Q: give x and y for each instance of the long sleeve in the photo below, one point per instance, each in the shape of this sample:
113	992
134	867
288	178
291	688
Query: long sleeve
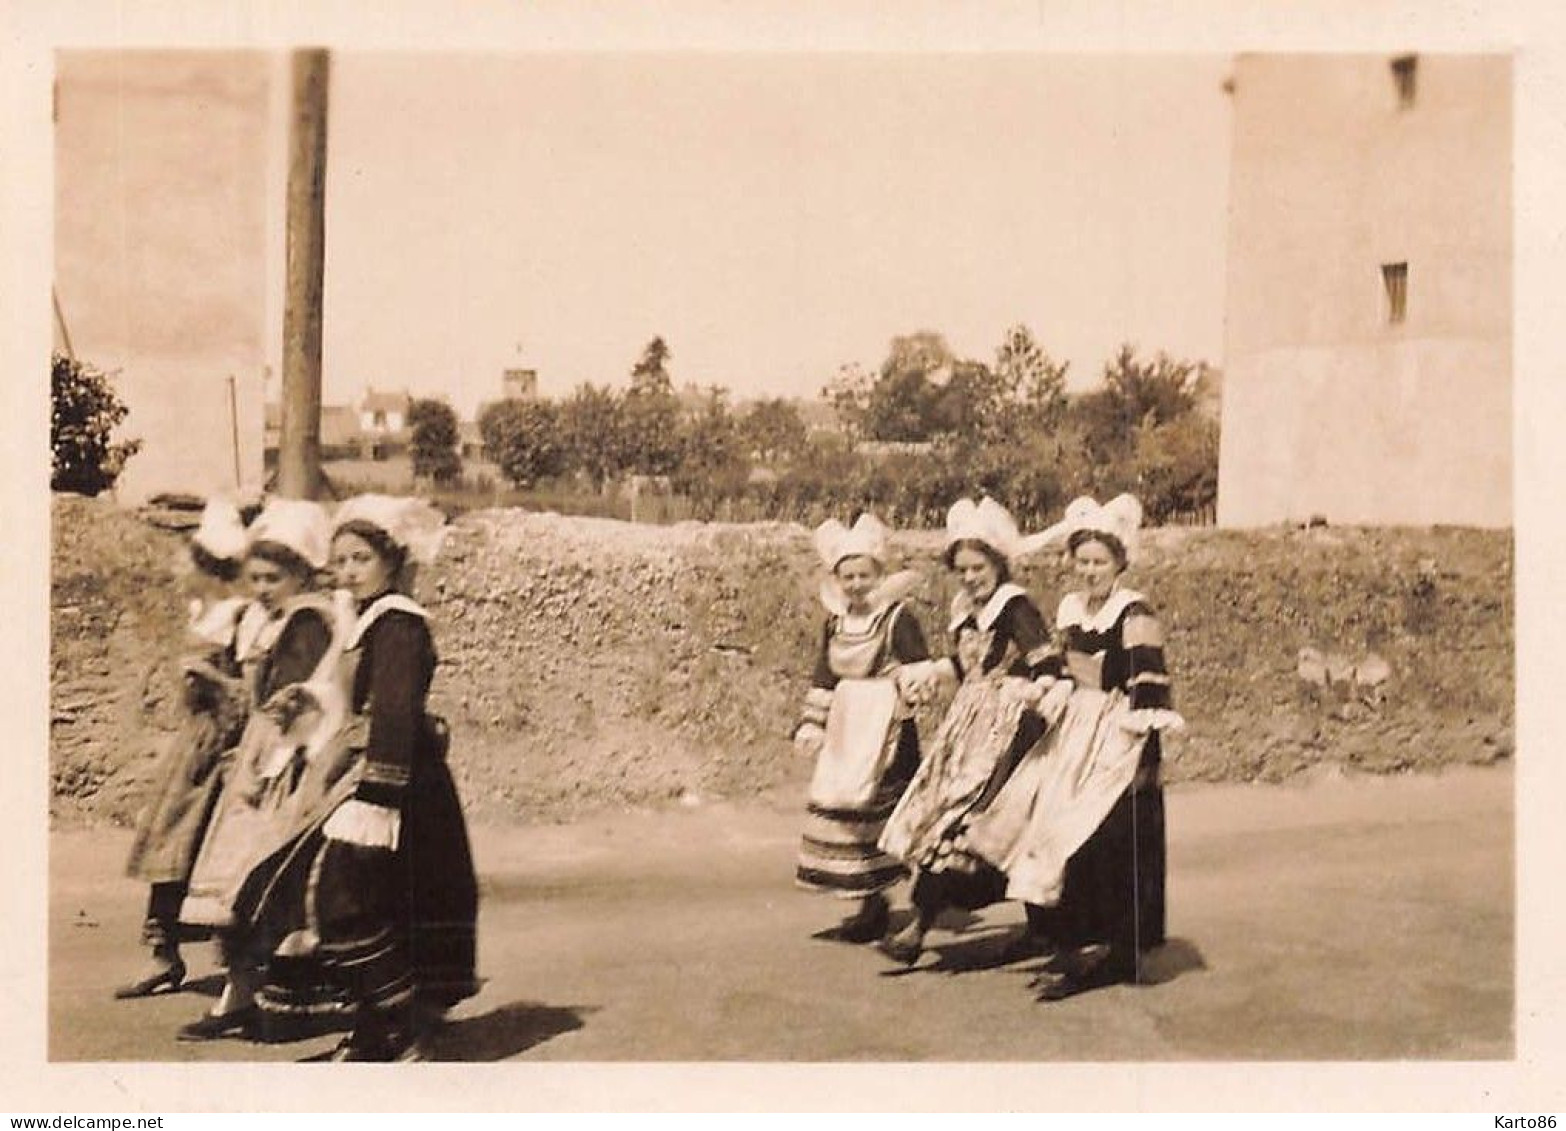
399	667
823	681
298	651
1025	625
1049	660
907	643
1147	683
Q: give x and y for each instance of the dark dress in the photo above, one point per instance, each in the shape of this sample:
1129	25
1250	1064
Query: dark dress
390	925
1114	884
1080	825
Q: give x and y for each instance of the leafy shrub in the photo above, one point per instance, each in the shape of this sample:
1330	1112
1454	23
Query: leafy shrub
85	411
433	440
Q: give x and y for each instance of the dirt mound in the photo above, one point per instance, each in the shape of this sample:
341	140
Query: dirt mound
587	662
116	620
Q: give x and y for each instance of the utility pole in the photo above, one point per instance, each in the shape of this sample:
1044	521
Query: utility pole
233	427
299	442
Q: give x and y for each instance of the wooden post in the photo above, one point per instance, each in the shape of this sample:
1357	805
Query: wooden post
233	427
59	318
299	441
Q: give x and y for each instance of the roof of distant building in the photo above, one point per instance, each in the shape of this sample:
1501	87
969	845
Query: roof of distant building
385	402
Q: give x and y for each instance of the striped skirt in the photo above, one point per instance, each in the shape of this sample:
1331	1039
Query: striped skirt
838	852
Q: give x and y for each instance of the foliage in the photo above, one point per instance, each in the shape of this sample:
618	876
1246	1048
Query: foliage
591	432
433	440
712	465
523	438
650	415
1177	467
1006	428
1161	390
773	431
1032	383
84	412
908	401
848	395
650	374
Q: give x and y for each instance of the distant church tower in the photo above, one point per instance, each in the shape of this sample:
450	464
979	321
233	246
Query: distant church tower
519	384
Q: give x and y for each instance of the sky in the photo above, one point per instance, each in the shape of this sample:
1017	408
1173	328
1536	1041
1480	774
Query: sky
773	217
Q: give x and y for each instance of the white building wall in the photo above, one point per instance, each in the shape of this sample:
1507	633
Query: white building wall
1329	409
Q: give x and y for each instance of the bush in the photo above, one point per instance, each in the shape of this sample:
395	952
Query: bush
1177	468
523	439
84	414
433	440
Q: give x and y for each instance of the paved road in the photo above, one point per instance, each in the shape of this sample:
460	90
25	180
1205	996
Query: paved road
1360	919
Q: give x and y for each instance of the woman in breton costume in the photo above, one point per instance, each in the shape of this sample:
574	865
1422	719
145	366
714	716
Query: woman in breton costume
1000	642
289	638
380	878
1080	825
856	724
190	773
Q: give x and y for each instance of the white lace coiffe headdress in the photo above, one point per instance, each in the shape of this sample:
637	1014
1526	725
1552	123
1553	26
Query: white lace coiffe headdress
984	521
413	525
221	533
1120	519
865	539
298	524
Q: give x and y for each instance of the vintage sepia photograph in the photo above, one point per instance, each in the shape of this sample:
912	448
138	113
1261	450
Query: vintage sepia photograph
800	556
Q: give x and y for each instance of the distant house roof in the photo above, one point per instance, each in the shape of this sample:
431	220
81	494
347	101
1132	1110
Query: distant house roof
339	424
385	402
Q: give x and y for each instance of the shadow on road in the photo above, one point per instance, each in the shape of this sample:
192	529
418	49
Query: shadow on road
506	1032
210	986
1168	962
992	950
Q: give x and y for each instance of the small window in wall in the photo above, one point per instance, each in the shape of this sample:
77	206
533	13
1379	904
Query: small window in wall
1405	69
1395	278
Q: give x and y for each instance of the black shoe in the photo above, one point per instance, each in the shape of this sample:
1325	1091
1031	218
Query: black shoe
360	1052
1080	978
168	978
905	947
243	1022
385	1048
343	1050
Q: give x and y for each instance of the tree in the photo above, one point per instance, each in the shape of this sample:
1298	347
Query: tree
972	405
1032	382
523	438
773	431
650	415
433	439
591	433
84	412
712	461
1160	390
903	401
848	395
650	374
1177	467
